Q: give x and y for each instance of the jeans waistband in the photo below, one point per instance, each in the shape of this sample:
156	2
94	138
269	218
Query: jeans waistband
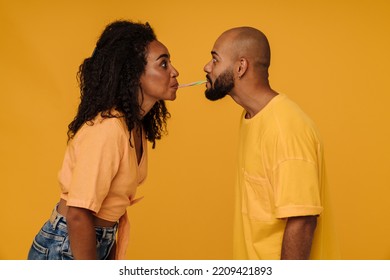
57	220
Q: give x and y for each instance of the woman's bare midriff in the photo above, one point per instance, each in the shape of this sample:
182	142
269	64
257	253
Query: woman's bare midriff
63	210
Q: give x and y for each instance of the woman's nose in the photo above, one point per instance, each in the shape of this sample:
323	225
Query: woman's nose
174	72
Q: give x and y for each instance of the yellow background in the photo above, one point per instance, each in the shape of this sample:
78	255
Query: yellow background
331	57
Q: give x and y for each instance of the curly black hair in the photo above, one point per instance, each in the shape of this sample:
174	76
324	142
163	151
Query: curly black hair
110	79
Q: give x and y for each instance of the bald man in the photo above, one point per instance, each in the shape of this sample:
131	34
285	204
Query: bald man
280	165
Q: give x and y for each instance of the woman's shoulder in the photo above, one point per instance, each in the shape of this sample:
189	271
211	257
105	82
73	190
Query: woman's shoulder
100	135
103	126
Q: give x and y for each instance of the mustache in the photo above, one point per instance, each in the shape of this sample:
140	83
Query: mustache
208	79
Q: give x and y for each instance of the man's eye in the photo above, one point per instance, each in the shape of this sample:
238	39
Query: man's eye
214	60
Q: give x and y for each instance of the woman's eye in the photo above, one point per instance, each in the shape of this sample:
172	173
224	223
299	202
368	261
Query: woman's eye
164	64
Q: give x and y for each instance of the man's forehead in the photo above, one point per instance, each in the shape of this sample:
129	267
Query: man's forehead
222	46
224	38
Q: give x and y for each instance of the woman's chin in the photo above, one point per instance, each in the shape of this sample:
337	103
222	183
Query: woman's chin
172	97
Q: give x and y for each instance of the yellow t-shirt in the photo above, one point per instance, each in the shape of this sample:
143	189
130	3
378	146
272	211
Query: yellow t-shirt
280	175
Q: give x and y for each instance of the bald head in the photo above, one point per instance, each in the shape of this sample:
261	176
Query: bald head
249	43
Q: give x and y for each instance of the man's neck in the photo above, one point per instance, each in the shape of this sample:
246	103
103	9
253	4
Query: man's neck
254	101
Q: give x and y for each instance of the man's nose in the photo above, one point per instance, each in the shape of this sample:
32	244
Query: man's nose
207	67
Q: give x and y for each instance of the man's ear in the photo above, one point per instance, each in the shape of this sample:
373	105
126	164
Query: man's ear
242	67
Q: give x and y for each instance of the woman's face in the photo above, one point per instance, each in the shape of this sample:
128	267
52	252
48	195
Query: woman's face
158	82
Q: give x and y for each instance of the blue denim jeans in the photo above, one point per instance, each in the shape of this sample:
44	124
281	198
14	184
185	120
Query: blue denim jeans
52	241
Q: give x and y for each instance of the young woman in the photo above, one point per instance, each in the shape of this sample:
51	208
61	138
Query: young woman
123	86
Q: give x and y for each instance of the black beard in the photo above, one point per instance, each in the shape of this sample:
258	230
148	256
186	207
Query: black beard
222	86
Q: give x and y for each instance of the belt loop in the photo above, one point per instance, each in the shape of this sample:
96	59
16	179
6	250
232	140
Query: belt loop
55	217
56	220
104	232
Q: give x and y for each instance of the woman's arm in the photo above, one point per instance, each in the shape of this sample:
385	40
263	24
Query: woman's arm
82	235
298	237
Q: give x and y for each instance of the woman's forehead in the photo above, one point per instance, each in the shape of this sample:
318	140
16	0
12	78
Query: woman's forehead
157	49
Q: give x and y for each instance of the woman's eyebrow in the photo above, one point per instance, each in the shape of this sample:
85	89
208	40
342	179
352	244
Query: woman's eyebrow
165	55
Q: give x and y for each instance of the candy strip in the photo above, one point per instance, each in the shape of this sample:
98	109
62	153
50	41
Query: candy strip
192	84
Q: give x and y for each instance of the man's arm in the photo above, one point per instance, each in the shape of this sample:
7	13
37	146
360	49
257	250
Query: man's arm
298	237
82	235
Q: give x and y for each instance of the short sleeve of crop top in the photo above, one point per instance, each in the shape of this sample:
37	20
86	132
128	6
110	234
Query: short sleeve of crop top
95	152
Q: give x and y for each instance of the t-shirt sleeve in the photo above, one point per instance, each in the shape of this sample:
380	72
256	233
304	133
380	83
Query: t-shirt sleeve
298	189
98	150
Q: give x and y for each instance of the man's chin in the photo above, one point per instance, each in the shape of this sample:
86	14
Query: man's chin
214	96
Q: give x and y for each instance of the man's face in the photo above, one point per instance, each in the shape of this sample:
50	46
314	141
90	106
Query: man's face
220	77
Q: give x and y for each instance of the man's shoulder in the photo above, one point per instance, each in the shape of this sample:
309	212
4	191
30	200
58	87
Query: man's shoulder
288	113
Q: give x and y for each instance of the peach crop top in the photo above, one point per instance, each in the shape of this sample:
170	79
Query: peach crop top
100	171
